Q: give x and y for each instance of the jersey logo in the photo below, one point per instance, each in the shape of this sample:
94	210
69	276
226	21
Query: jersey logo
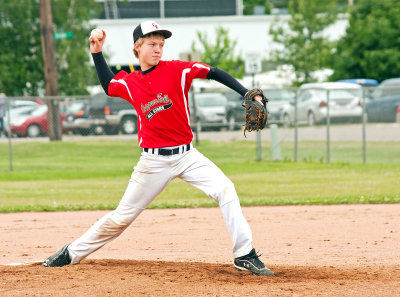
149	110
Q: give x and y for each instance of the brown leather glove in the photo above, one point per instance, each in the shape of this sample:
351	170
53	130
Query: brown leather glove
256	113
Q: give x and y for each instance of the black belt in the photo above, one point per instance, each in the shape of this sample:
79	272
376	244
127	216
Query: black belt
168	152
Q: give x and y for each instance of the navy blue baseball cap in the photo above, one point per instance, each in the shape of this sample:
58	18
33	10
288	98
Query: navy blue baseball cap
148	27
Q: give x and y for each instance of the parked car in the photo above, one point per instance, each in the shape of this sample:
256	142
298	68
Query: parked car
369	85
34	124
104	114
76	110
365	82
22	101
385	105
345	103
235	115
18	112
279	102
210	109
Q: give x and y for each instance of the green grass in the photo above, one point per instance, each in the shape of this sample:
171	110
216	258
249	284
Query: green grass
93	174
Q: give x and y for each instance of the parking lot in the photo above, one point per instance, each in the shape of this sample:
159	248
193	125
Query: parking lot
351	132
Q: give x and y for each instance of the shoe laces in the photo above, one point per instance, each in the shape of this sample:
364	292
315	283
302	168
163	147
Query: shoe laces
254	255
254	258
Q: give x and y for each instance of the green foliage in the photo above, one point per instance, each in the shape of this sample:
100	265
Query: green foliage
371	45
303	44
221	53
74	70
21	52
248	6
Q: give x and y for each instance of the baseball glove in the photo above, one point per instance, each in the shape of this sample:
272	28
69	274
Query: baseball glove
256	114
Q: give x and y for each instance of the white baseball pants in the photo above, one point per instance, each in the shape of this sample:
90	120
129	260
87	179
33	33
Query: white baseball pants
150	176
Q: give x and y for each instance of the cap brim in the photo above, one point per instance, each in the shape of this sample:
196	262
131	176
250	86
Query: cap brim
165	33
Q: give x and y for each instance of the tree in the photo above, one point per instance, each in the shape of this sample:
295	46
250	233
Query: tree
303	44
248	6
371	45
74	69
21	55
221	54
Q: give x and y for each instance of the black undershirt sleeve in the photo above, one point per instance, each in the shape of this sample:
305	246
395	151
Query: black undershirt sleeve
103	71
226	79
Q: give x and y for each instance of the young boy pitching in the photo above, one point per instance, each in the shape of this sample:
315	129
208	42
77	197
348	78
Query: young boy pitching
159	93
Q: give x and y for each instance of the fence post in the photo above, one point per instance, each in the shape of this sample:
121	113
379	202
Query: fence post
10	155
328	122
364	130
276	149
296	127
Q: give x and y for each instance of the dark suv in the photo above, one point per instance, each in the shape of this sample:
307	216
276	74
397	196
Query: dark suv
107	115
385	104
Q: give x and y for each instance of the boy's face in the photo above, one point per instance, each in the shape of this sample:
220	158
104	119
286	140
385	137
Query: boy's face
150	52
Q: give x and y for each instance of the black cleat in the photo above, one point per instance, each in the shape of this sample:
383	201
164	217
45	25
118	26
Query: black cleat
59	259
252	263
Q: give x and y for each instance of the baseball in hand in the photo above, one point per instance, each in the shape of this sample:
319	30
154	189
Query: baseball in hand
97	33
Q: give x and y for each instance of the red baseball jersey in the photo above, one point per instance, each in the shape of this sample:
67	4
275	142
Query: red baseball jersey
160	98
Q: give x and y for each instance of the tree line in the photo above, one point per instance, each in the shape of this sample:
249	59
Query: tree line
369	49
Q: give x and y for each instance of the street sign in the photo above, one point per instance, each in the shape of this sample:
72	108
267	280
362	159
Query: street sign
63	35
253	62
189	56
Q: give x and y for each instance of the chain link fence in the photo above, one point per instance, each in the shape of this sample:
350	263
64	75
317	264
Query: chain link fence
320	105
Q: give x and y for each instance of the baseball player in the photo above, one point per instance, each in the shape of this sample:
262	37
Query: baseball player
159	93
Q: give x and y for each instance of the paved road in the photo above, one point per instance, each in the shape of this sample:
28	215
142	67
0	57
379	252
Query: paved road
374	132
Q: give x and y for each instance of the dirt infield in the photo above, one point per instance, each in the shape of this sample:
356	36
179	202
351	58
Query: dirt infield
346	250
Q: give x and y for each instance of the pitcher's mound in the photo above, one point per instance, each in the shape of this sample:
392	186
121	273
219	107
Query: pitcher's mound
159	278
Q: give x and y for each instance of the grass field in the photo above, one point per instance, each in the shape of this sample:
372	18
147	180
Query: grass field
93	174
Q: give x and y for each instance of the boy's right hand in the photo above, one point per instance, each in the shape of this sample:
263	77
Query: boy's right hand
96	45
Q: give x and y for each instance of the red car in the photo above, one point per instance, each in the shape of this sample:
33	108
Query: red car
34	125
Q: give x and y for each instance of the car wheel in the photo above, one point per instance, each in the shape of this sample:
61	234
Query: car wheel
98	130
310	119
232	123
33	131
128	125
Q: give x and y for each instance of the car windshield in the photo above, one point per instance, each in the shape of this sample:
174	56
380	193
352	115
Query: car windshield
340	94
211	100
26	110
39	111
386	90
75	107
279	95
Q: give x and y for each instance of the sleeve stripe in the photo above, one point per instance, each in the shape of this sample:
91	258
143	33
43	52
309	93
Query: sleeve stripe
183	83
121	81
201	66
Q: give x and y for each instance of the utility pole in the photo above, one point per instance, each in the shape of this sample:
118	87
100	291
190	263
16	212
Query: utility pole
111	9
50	68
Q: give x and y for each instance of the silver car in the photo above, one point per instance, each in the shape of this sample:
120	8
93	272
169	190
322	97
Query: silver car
210	109
279	100
345	103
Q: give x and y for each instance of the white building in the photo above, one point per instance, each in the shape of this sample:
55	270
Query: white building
250	32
